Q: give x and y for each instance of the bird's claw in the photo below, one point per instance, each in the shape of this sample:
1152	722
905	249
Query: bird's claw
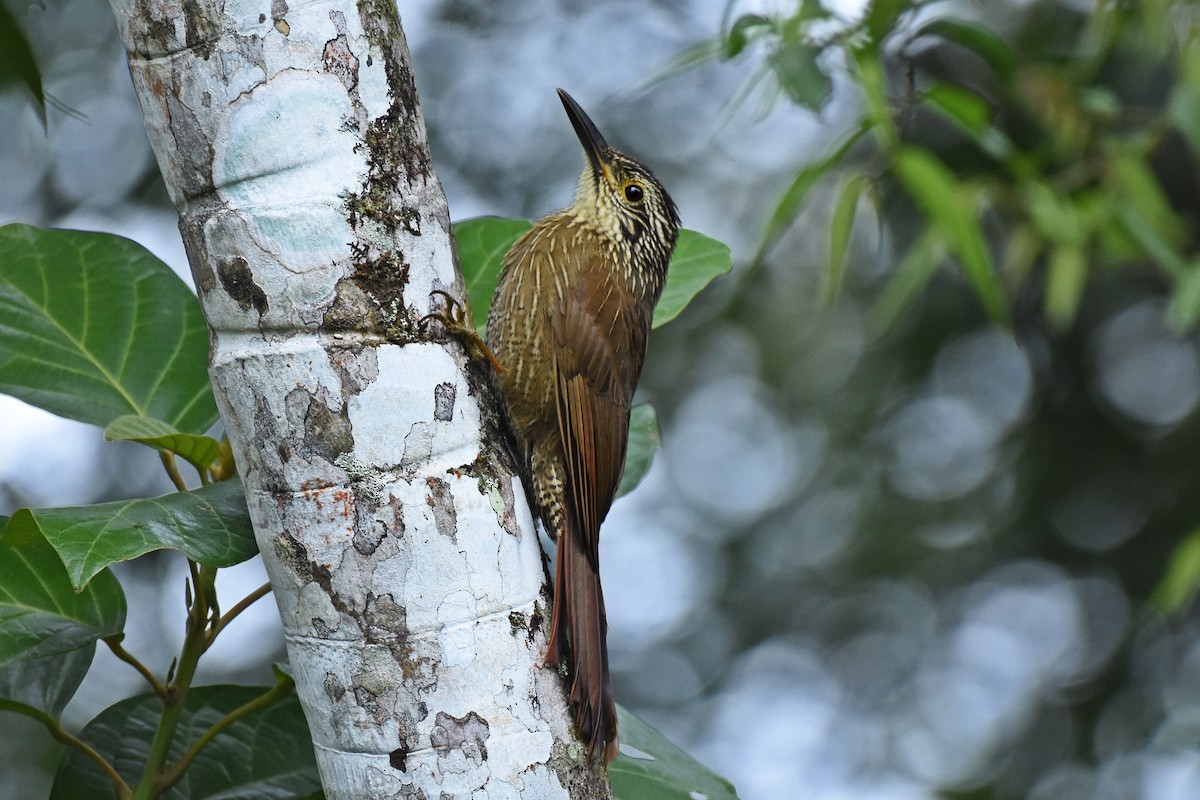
456	319
453	318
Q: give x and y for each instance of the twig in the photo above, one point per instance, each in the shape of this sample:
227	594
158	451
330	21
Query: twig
114	644
238	608
168	460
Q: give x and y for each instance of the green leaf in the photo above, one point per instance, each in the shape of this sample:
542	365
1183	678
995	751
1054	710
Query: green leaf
800	76
794	196
643	444
1178	586
17	64
1065	278
968	109
1134	182
42	687
1183	109
881	17
92	327
974	115
840	226
481	243
869	71
660	770
47	630
949	208
984	43
918	266
42	614
1151	240
1021	251
266	754
696	261
199	451
1184	310
740	33
210	525
1056	217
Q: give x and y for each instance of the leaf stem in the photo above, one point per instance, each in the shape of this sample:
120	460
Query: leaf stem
168	460
56	730
175	696
114	644
283	687
238	608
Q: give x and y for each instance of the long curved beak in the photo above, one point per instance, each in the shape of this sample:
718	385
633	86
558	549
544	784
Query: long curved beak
589	136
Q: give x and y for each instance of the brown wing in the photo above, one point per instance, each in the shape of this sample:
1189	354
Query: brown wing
600	337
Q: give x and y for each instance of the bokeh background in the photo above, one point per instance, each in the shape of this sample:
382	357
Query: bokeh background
895	562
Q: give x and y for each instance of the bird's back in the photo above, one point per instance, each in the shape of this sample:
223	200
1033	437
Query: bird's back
564	294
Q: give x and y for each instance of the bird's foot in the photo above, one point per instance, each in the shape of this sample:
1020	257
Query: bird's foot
456	319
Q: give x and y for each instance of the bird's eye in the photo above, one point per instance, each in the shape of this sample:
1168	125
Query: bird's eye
633	193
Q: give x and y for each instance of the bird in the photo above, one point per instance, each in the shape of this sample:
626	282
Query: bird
566	334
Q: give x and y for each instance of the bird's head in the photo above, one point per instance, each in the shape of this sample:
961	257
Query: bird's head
619	196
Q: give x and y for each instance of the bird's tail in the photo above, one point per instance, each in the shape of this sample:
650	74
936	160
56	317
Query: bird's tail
579	616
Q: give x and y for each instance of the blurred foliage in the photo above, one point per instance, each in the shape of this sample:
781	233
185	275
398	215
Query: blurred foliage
1029	170
1000	184
1033	171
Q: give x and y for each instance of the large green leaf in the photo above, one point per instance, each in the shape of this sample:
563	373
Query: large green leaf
660	771
47	630
482	242
199	451
92	326
266	754
643	444
210	525
43	686
696	261
41	614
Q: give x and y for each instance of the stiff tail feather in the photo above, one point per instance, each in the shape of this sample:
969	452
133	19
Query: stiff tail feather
578	616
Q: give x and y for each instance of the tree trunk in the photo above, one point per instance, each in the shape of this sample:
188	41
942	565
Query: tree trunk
404	561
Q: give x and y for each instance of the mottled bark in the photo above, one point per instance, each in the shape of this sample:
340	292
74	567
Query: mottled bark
402	554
